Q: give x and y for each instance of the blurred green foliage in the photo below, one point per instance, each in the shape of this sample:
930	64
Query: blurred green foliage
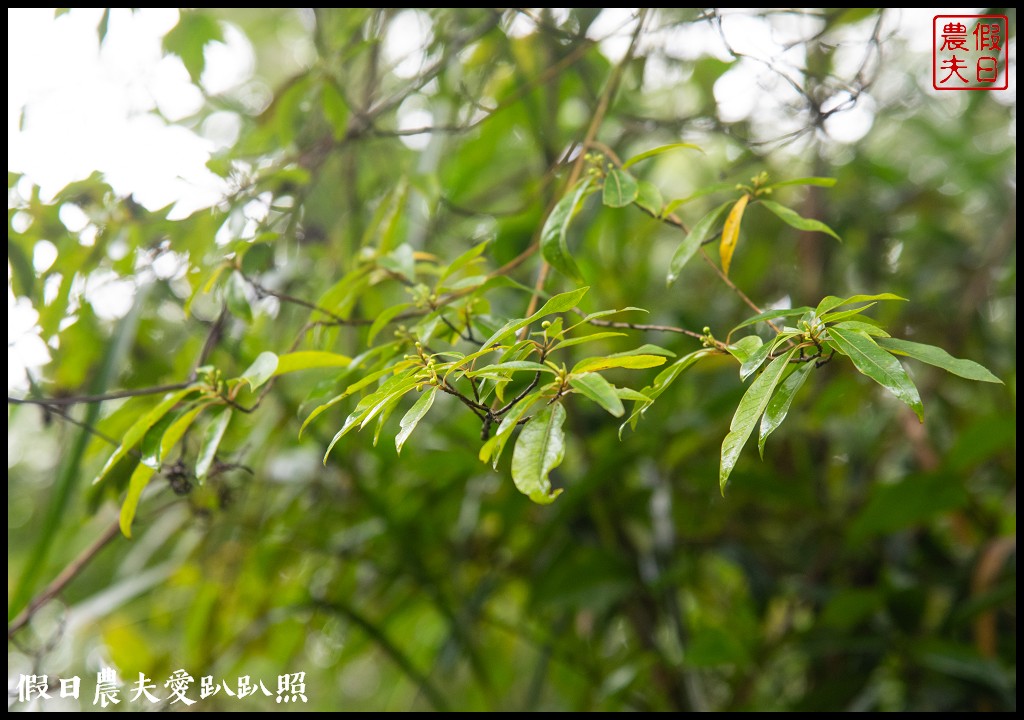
868	563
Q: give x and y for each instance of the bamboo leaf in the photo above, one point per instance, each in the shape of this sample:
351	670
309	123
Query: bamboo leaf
595	387
731	232
793	218
938	357
748	412
553	245
620	189
694	239
877	364
539	450
412	418
778	406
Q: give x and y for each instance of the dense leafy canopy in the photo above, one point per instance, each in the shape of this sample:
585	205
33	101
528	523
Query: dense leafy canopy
494	253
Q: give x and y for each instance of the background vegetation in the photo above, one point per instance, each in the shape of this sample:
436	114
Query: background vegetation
869	562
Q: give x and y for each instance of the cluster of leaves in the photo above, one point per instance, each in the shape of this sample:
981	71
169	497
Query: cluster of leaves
350	281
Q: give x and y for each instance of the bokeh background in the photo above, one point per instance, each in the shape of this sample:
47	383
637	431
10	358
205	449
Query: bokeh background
868	563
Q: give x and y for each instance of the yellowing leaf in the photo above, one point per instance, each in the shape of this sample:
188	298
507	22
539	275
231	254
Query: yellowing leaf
731	232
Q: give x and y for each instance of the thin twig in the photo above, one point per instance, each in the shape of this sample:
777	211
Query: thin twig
87	399
595	124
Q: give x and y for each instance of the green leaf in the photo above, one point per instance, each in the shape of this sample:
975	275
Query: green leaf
633	362
559	303
631	394
462	261
835	317
793	218
179	427
509	367
157	443
335	109
412	418
770	315
211	441
689	246
778	406
236	299
308	360
658	151
743	348
539	449
383	318
649	198
262	369
620	189
662	382
702	192
138	430
748	412
749	366
493	448
353	388
188	40
595	387
585	339
866	328
830	302
372	405
877	364
603	313
939	358
139	480
817	181
553	245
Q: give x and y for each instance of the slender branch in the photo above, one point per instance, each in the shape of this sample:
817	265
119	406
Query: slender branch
65	415
69	573
732	286
514	401
212	338
479	410
87	399
595	124
639	326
